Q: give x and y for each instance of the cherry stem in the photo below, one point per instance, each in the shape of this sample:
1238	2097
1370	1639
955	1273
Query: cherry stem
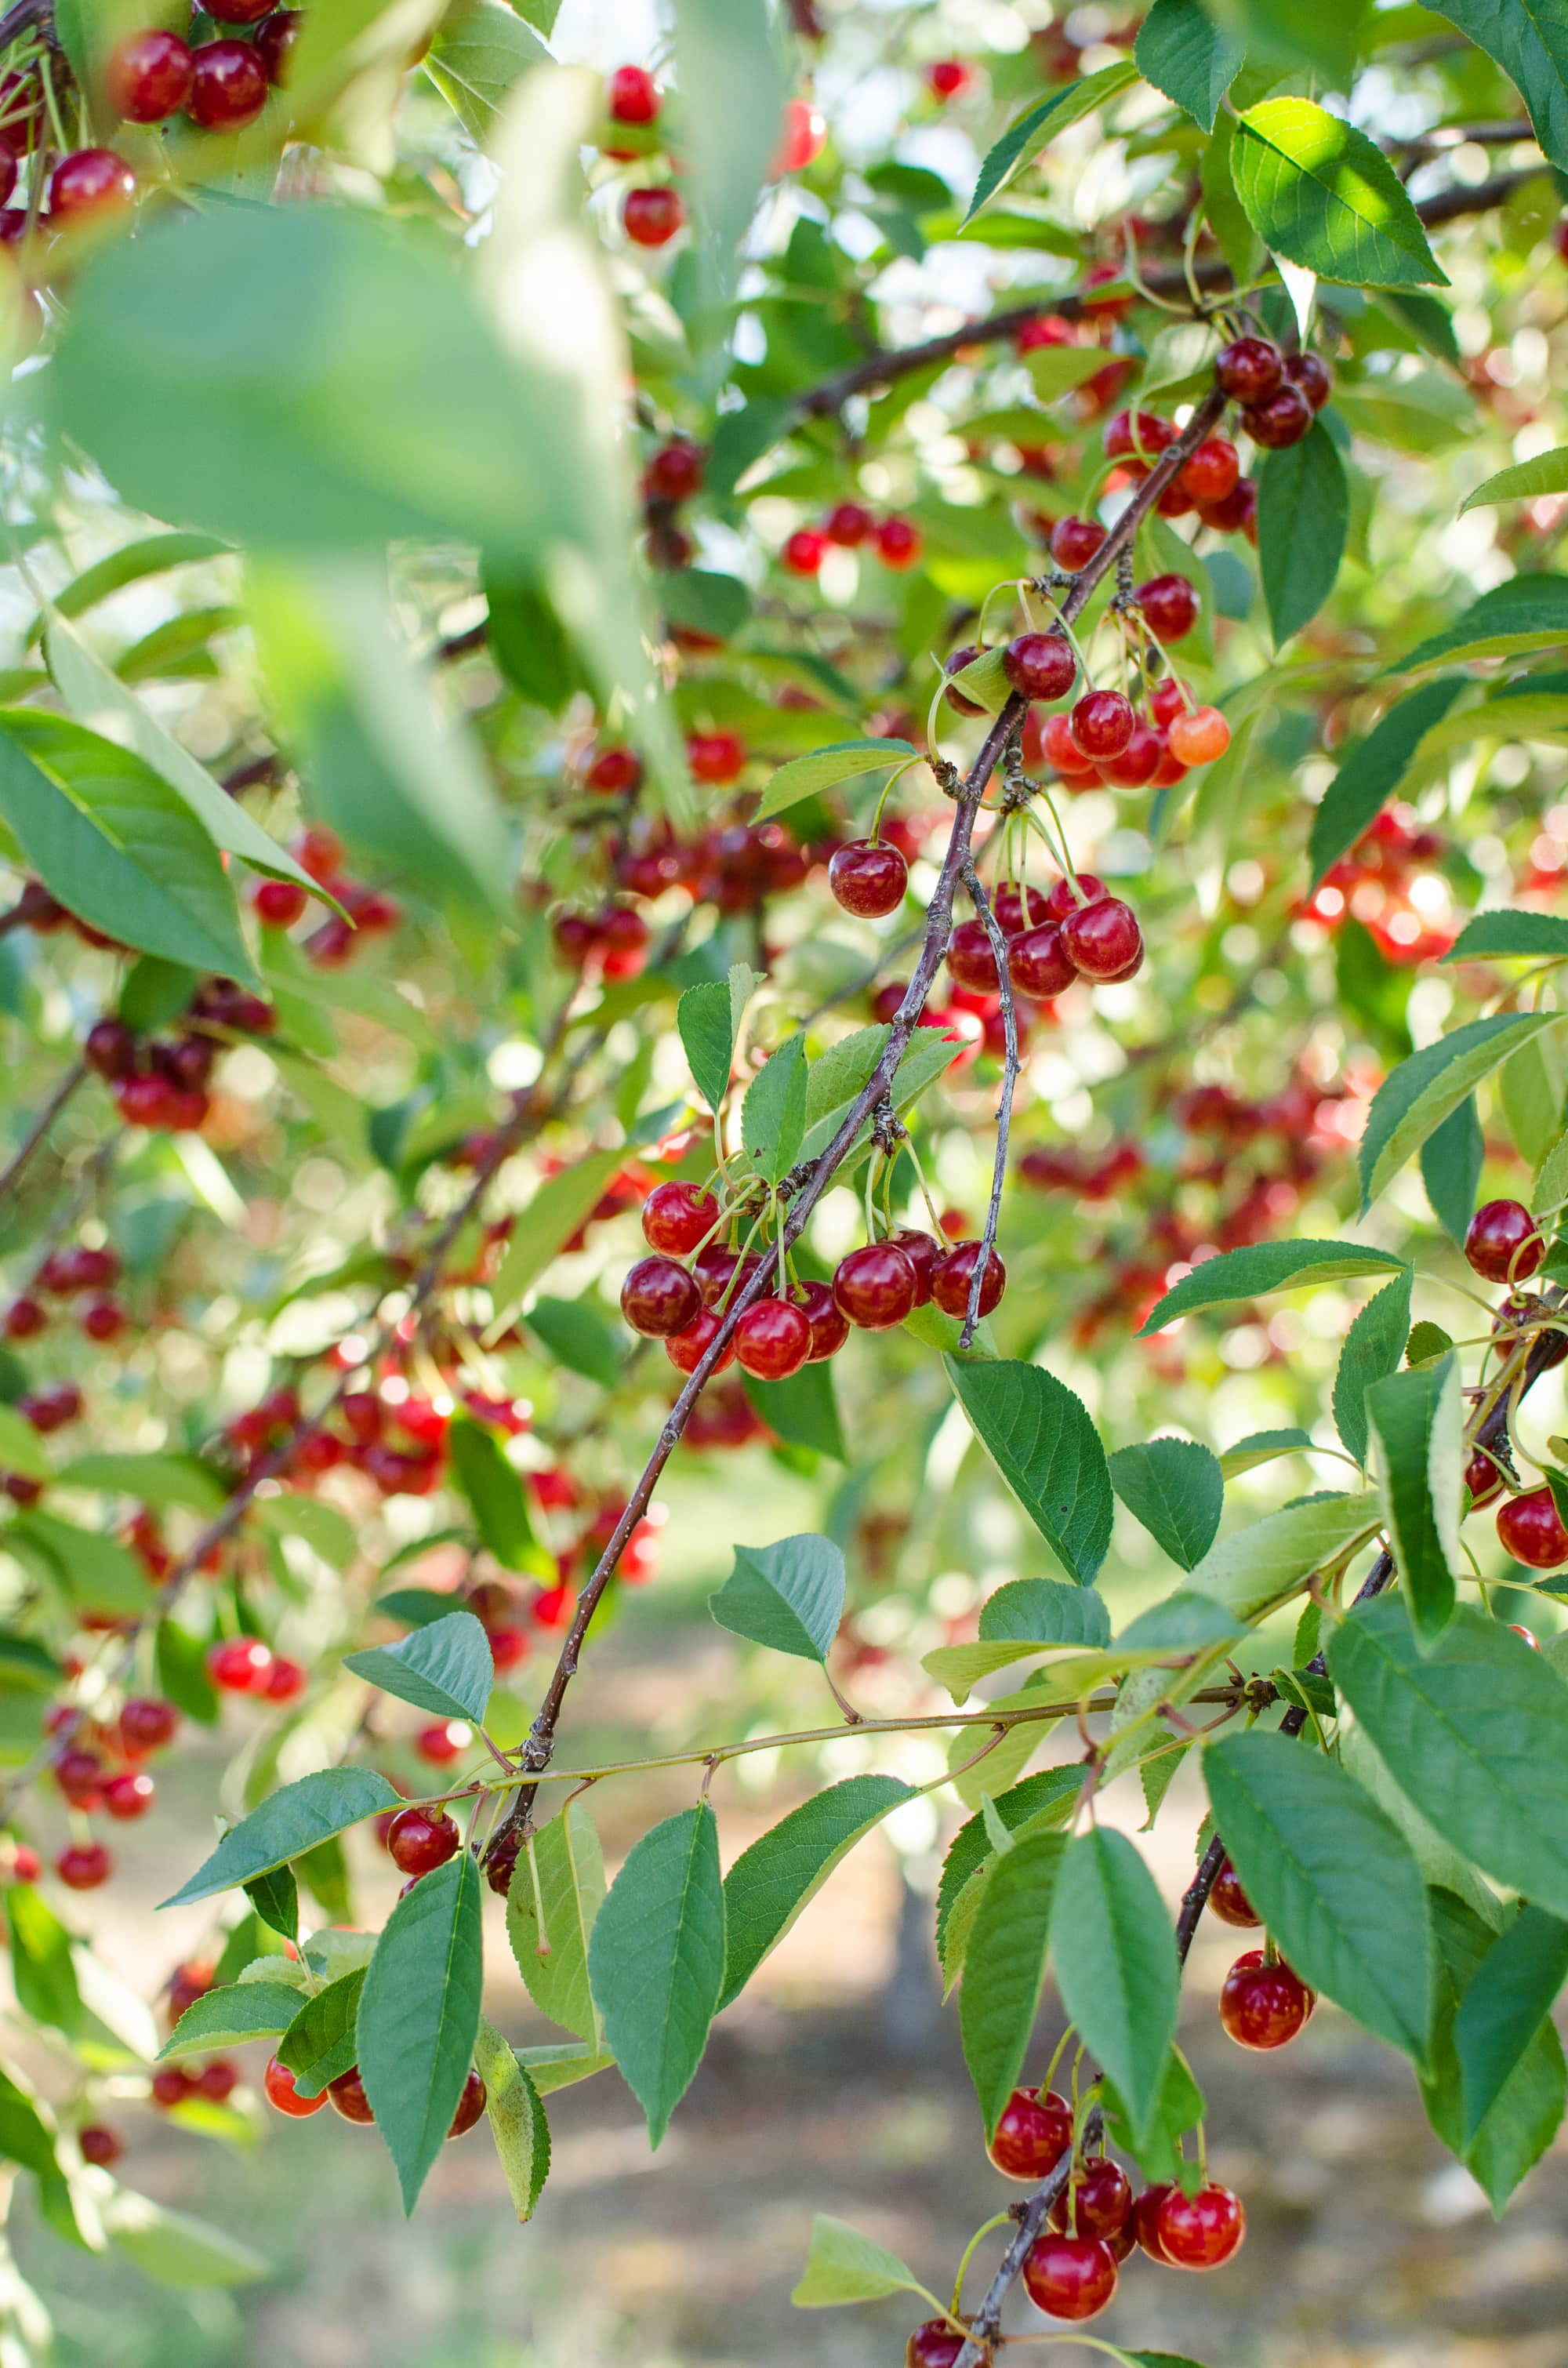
999	2221
1003	1109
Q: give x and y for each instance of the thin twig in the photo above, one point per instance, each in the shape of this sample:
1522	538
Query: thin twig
982	903
988	2318
41	1124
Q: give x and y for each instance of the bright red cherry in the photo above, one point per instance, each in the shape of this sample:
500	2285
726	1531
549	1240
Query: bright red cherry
1250	369
676	1216
470	2105
286	1680
280	902
1283	418
128	1794
421	1839
446	1740
1070	2277
279	2087
934	2344
804	551
971	960
1138	762
1210	470
830	1327
900	543
1038	964
240	1665
1102	723
1312	376
651	217
275	37
1041	665
1483	1478
659	1298
848	524
1200	2231
1169	604
1146	2222
1261	2005
149	75
84	1865
1530	1528
716	758
1103	940
229	87
801	140
955	1272
1228	1902
949	78
1503	1241
1033	2133
1104	2201
147	1723
1075	541
615	772
348	2098
103	1319
686	1349
867	878
773	1339
876	1286
90	181
79	1777
1062	751
100	2144
631	95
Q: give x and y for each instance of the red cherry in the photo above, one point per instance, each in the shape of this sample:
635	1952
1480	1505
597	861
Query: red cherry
241	12
172	2085
876	1286
1146	2221
24	1319
319	851
1102	723
1033	2133
830	1327
954	1272
1169	603
802	140
848	524
686	1349
275	37
441	1744
1103	939
1198	737
229	87
1261	2005
52	1408
1529	1634
922	1251
659	1298
280	902
631	95
1483	1478
1038	964
279	2087
949	78
959	701
804	551
1249	368
84	1865
348	2098
128	1794
971	962
1212	470
1075	541
1237	513
716	758
1312	376
1228	1902
1104	2203
147	1723
420	1839
1530	1528
470	2105
1283	418
103	1319
13	224
1070	2277
111	1049
1138	762
1018	906
90	181
714	1269
149	76
651	217
1503	1241
79	1777
100	2144
239	1664
1200	2231
1061	750
218	2081
1061	898
773	1339
674	475
676	1217
1041	665
934	2344
1144	439
867	878
899	543
614	771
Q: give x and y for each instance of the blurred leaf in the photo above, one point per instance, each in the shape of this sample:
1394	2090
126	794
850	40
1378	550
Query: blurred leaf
843	2266
1527	612
732	113
1038	125
446	1667
1501	935
803	1410
578	1337
324	1529
481	50
418	2016
1262	1447
542	1229
174	2249
495	1491
1413	1099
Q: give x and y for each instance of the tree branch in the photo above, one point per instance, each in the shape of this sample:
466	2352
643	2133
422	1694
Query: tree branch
988	2318
1003	1109
41	1124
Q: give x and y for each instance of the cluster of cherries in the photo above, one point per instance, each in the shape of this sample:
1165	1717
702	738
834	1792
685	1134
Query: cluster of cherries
897	541
99	1770
873	1288
1372	885
1504	1244
370	912
162	1083
81	1271
653	213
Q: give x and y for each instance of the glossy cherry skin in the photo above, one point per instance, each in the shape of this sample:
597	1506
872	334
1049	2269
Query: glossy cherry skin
676	1217
1198	737
1038	964
1070	2277
84	1865
1283	419
1211	471
1104	2201
959	701
830	1325
275	37
922	1251
100	2144
1230	1903
1138	762
1041	665
149	75
278	2088
240	1665
1103	939
1263	2006
1169	603
1483	1478
971	960
867	878
1530	1528
934	2344
1144	435
950	1283
1102	723
1312	376
1502	1242
1249	368
1200	2231
1236	513
773	1339
686	1349
348	2098
876	1286
659	1298
1017	906
1033	2133
1146	2221
228	87
419	1840
652	217
1075	541
714	1270
90	181
470	2105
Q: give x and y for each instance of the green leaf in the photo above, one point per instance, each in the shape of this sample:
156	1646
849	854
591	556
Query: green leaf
733	98
843	2266
1546	473
287	1823
1176	1488
773	1115
275	1899
548	1223
479	52
656	1960
1451	1160
703	602
1239	1275
181	1661
1266	1563
1417	1420
1005	1968
1527	2113
1333	1878
1177	2108
1039	124
1114	1952
1187	57
1531	1089
1374	770
578	1337
42	1973
156	1480
1045	1611
1475	1732
227	2018
1505	2008
709	1020
322	2041
116	844
1527	612
518	2124
1262	1447
1038	1804
553	1955
446	1667
845	760
802	1409
1503	935
789	1595
131	564
494	1492
174	2249
419	2016
1528	38
562	2064
1043	1443
94	1570
1415	1098
1303	516
1186	1621
1321	193
22	1450
1239	243
324	1529
1373	1347
772	1882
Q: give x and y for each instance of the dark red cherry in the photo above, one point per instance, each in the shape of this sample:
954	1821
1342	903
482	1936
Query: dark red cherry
1198	2232
419	1840
1038	964
241	12
1075	541
922	1251
876	1286
24	1319
1284	418
1483	1478
1261	2005
129	1794
348	2098
1041	665
1146	2221
676	1216
280	902
1230	1903
1530	1528
773	1339
869	878
659	1298
848	524
1018	906
954	1272
1138	762
714	1270
1103	939
1104	2196
82	1866
934	2344
1169	603
959	701
1070	2277
971	962
1102	723
1503	1241
1249	368
278	2088
228	87
111	1049
470	2105
686	1349
100	2144
90	181
1033	2133
651	217
149	75
830	1325
1312	376
675	472
275	37
1143	438
1062	898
